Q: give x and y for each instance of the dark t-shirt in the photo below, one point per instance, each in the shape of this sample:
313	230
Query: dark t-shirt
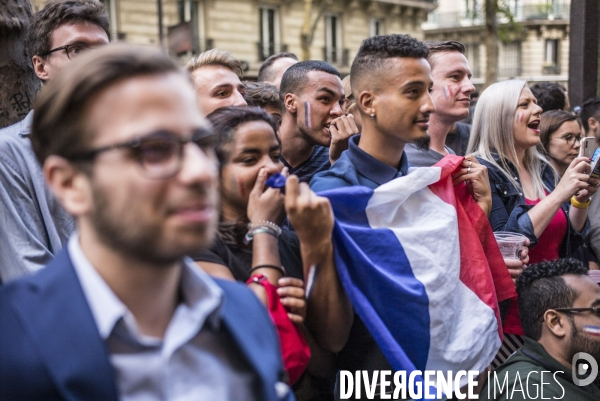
459	139
239	260
318	161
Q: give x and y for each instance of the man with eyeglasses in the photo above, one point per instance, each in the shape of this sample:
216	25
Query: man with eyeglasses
122	313
34	226
559	307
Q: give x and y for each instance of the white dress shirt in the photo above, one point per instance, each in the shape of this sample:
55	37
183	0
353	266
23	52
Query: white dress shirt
194	360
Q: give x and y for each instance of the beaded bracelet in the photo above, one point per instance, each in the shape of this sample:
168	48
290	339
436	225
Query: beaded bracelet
265	223
260	229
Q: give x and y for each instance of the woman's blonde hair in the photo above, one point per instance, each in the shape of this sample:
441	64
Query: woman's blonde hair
492	132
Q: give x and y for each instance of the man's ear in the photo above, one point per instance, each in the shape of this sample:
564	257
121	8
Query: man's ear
290	102
594	127
39	66
69	184
366	102
556	323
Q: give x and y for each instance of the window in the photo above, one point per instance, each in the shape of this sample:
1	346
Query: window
551	52
551	65
376	27
510	59
470	9
513	7
472	55
269	32
333	39
193	11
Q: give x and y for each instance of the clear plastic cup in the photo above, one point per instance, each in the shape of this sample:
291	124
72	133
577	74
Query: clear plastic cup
510	244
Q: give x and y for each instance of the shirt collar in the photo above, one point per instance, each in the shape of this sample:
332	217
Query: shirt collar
370	167
26	125
200	294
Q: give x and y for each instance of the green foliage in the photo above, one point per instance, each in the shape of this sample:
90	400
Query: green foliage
512	30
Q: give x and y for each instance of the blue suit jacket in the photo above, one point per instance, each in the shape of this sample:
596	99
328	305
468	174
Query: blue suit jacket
50	348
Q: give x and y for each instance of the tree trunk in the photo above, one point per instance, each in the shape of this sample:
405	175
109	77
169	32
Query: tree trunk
491	42
18	82
305	33
309	26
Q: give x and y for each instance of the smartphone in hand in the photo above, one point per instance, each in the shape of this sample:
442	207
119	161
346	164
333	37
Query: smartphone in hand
588	147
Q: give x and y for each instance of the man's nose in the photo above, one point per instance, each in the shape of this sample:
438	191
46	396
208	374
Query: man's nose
428	107
337	110
239	99
198	166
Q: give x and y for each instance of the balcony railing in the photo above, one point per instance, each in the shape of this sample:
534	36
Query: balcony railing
336	56
543	11
556	11
551	69
268	49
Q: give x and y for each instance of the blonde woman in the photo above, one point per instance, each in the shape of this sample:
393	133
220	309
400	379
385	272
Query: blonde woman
525	196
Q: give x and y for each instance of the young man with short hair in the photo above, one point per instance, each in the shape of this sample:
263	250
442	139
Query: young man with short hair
35	226
451	92
313	129
272	69
122	313
559	311
390	80
217	76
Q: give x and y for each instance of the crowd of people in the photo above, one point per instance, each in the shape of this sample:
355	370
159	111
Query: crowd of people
163	236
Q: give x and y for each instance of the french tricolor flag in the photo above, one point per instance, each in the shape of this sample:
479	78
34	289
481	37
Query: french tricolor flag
419	262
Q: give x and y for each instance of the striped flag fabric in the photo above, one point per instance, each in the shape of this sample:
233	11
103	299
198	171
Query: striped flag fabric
419	262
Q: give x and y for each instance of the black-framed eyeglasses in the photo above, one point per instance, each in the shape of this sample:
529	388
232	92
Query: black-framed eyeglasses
72	50
160	154
594	310
571	139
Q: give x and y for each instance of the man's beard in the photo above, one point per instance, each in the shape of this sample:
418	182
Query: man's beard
581	342
129	236
423	142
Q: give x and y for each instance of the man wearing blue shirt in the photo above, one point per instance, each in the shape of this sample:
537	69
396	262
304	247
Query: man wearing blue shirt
391	79
122	313
313	129
34	226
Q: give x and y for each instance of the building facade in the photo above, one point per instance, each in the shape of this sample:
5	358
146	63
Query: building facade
534	46
252	29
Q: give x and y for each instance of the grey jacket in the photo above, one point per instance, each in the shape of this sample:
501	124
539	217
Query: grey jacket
33	225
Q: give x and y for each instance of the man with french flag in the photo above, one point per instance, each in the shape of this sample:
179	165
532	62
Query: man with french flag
416	258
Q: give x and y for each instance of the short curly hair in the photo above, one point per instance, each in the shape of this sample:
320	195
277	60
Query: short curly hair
262	94
60	12
375	50
549	95
541	287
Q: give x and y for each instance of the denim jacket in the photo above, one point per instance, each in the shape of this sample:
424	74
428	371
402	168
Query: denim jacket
509	211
